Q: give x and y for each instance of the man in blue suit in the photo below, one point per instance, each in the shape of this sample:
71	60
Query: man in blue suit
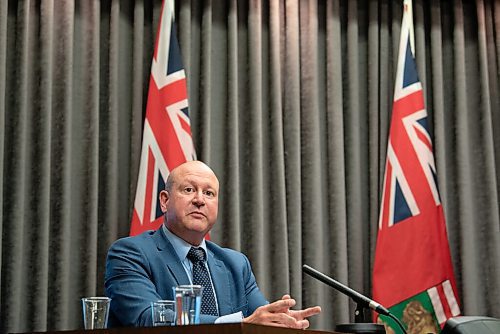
144	268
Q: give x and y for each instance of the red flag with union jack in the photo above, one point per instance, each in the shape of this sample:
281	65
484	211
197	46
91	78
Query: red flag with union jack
413	273
167	140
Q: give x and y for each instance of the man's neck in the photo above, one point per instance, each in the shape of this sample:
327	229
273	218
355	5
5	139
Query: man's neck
193	240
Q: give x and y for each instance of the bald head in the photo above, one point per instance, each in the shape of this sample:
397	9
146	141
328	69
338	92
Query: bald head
188	166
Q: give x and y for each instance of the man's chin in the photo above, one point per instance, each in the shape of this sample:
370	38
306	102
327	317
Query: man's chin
200	226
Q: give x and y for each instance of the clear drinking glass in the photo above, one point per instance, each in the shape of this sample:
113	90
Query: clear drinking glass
95	312
188	304
163	313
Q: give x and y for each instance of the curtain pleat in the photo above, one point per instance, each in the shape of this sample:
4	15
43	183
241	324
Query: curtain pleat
465	189
231	215
290	103
16	167
290	78
41	194
335	142
310	173
274	178
489	104
3	79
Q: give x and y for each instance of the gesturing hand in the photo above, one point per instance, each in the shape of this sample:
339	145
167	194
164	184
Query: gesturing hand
301	315
280	314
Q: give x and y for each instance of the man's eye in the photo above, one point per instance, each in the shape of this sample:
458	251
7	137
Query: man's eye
209	193
188	189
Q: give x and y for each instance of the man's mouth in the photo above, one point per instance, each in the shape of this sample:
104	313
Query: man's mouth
197	214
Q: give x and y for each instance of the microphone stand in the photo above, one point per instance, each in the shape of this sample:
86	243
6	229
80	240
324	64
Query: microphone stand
362	303
359	313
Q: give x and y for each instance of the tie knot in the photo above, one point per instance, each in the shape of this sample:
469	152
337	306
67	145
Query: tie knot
196	254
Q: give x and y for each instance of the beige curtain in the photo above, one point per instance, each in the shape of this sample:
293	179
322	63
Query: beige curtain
290	103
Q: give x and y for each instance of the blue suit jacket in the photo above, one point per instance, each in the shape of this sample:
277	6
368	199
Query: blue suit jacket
144	268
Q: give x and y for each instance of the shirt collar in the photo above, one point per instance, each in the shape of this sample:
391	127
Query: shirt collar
181	247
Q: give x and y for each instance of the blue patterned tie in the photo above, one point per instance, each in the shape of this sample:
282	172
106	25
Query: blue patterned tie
201	277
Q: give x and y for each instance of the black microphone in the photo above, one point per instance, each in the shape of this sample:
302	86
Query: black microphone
359	299
356	296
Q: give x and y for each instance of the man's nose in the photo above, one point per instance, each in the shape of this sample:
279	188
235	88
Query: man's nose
198	198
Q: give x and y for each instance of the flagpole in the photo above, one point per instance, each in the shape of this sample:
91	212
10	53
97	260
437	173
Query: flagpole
408	7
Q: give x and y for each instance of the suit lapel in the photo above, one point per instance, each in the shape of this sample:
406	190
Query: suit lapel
170	258
221	283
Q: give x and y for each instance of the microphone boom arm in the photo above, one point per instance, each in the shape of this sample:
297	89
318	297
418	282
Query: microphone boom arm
360	300
356	296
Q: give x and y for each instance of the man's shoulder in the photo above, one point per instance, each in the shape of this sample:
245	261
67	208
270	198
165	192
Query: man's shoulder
225	252
139	240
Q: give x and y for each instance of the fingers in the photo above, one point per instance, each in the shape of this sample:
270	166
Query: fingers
308	312
280	305
282	320
271	315
279	314
290	322
285	320
303	324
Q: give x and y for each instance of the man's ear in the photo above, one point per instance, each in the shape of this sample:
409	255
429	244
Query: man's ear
164	197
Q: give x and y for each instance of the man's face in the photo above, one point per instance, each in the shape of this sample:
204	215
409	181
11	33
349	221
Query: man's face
191	204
